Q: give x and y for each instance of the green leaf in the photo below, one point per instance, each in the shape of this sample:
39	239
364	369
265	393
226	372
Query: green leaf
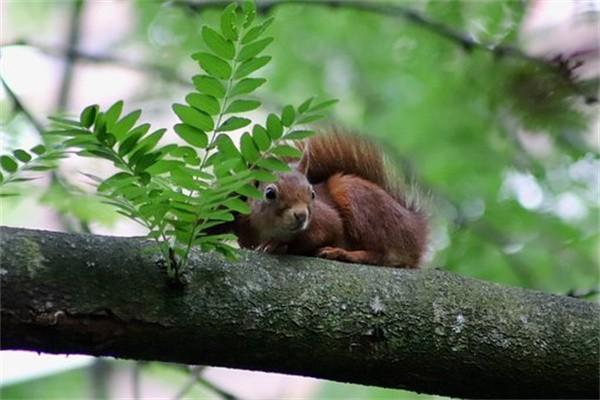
249	191
249	9
150	141
22	155
274	127
263	176
298	135
8	164
195	137
253	49
39	149
209	85
125	124
255	32
217	43
191	116
219	216
68	132
113	113
273	164
163	166
261	138
233	123
145	161
107	139
285	150
323	105
101	153
188	154
248	148
310	118
288	115
65	121
242	106
247	85
251	65
183	179
305	106
226	146
88	116
39	168
213	65
236	204
129	143
228	25
115	180
203	102
100	125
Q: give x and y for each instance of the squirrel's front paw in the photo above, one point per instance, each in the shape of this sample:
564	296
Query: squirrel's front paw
331	253
272	247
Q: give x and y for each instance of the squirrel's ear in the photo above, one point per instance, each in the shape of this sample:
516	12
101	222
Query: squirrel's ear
304	162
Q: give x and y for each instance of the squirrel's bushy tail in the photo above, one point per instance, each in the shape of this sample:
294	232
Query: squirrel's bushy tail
334	151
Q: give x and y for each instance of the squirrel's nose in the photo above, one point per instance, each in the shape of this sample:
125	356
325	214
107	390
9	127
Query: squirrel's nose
300	216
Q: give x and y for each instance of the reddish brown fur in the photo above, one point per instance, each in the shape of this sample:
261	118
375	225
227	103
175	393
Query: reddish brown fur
358	214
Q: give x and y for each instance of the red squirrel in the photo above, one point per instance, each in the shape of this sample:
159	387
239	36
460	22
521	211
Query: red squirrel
340	203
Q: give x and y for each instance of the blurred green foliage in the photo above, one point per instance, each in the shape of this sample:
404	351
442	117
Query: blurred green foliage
461	122
65	385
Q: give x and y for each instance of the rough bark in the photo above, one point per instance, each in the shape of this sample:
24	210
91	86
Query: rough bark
426	331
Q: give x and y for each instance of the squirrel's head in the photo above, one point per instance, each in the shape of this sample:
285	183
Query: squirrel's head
285	208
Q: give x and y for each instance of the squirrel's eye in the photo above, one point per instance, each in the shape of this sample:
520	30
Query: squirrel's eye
270	193
312	195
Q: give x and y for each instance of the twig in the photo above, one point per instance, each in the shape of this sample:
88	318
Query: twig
557	65
583	293
72	40
167	73
99	375
388	9
136	379
19	108
196	377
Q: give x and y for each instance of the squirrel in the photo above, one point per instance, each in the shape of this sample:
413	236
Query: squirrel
339	202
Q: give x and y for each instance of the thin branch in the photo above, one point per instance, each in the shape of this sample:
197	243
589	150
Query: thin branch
73	41
557	65
165	72
465	40
583	293
195	378
99	377
20	108
136	377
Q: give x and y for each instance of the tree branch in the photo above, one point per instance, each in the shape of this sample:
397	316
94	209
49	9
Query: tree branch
69	293
559	65
465	40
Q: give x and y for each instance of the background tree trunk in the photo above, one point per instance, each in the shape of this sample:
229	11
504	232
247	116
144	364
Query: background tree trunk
426	331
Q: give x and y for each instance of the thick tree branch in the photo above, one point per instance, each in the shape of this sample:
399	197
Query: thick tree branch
427	331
